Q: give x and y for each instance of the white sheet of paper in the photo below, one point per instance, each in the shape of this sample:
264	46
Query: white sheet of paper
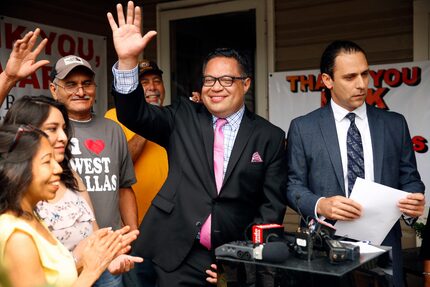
365	247
379	212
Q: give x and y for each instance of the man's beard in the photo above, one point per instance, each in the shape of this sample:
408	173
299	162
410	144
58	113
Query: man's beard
154	98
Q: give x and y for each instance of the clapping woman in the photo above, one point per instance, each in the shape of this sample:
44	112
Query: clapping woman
29	174
69	214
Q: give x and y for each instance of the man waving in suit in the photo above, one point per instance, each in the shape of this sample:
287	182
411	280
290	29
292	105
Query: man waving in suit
330	147
226	164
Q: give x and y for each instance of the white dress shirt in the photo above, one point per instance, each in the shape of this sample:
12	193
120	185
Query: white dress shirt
342	126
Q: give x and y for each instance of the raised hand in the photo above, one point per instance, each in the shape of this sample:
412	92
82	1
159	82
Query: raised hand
127	37
22	61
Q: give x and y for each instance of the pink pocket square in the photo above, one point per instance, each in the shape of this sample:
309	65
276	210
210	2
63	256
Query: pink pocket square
256	157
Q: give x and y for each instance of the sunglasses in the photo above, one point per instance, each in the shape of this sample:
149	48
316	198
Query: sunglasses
22	130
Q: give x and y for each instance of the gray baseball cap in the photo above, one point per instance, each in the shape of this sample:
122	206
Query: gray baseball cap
66	64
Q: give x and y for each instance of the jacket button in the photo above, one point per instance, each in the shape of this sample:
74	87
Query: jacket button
198	224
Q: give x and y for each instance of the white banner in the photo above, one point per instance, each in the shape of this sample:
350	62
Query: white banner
61	42
403	88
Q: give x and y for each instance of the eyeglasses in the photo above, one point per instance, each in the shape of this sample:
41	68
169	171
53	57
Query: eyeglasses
22	130
225	81
73	88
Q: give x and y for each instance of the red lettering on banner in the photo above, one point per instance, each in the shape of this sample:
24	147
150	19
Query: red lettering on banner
374	98
393	77
66	42
420	144
46	72
97	61
323	98
307	83
90	49
414	79
377	77
319	86
51	38
293	83
31	80
12	35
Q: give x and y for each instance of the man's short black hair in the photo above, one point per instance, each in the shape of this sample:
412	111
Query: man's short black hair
229	53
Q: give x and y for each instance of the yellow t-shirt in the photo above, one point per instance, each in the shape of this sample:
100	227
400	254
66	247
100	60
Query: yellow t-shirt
57	262
151	169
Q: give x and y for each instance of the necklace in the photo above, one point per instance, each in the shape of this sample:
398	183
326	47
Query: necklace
81	121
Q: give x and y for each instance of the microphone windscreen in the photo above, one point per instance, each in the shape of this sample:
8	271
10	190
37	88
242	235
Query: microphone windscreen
275	252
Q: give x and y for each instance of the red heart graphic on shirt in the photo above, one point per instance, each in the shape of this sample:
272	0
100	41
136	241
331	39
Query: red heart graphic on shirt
96	146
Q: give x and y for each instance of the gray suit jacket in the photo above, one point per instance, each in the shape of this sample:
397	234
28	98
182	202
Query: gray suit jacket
315	165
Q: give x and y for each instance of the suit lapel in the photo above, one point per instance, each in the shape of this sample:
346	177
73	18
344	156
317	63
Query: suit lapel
245	131
376	126
329	133
207	132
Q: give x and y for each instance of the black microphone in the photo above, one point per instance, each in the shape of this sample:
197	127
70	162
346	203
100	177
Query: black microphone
275	252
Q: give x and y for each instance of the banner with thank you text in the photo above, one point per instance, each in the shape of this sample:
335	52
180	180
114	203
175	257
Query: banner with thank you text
402	87
61	42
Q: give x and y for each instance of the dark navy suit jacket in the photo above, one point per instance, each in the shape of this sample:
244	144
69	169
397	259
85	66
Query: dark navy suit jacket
315	165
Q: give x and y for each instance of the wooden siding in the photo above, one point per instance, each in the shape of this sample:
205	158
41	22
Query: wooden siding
303	28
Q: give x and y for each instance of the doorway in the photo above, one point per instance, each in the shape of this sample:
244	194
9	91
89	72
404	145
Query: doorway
190	29
193	38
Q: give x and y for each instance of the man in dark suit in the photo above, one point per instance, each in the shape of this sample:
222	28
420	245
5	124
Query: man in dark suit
195	212
320	173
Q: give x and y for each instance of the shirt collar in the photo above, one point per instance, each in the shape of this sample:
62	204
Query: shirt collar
234	119
340	113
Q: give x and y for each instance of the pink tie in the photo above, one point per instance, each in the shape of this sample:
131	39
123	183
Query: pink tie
205	232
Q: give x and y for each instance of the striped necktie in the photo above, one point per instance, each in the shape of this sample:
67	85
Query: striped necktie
355	153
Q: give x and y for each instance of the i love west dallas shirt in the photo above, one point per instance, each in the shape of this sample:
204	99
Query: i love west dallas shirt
101	158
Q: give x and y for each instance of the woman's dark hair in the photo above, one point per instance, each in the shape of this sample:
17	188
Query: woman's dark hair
18	146
229	53
35	111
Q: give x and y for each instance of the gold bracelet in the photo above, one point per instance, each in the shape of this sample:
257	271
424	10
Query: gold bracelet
426	273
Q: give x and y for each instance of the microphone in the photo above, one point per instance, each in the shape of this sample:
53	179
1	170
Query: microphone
261	232
274	252
304	237
302	218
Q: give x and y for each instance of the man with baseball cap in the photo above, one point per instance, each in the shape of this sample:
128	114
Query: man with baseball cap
150	163
99	148
66	64
150	77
